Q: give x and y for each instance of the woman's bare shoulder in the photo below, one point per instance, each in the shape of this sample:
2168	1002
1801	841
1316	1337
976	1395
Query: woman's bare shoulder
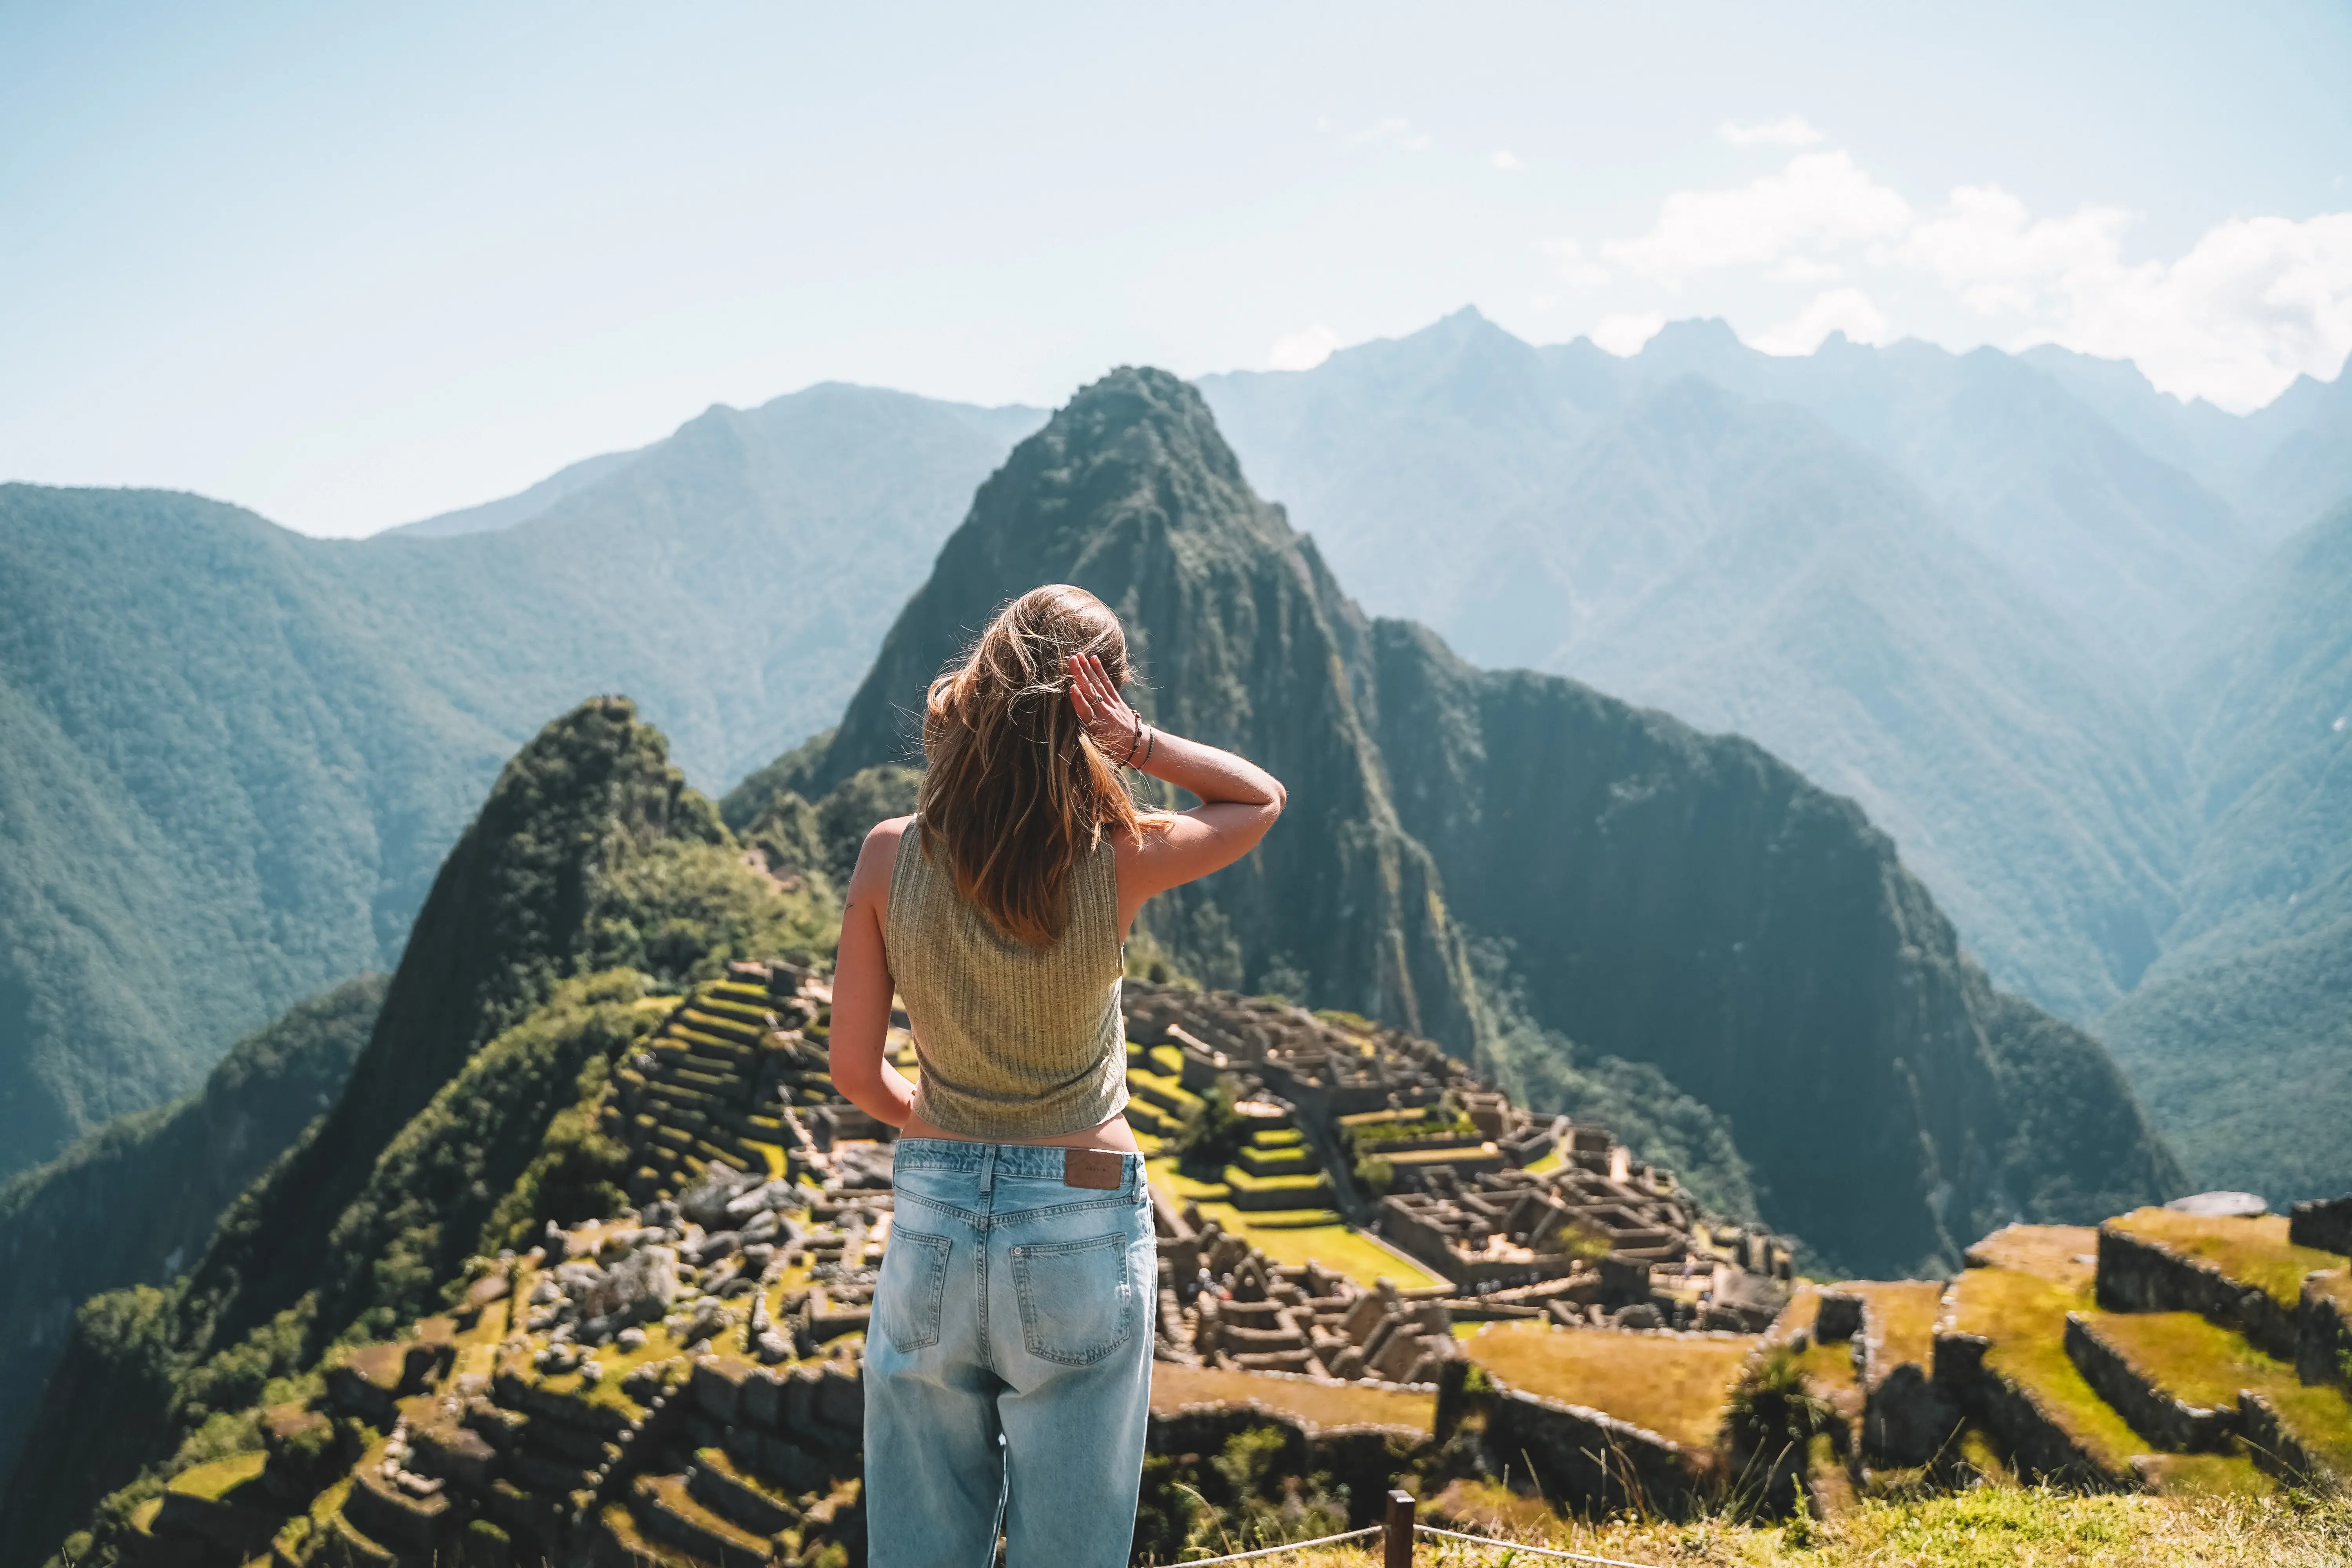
879	852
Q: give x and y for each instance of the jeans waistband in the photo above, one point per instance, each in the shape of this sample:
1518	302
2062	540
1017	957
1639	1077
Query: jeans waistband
1042	1161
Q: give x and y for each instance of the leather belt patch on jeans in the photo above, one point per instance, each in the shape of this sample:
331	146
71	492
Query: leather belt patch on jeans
1096	1168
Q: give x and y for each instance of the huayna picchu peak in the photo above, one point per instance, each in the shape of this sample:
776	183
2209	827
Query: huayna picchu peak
1508	1113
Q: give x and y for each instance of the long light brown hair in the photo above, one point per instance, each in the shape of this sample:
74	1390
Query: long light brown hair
1017	792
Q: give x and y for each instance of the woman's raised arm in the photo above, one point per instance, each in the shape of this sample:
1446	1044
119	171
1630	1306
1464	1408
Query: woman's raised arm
1239	800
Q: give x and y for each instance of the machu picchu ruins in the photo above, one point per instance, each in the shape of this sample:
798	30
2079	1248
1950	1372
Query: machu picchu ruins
1363	1249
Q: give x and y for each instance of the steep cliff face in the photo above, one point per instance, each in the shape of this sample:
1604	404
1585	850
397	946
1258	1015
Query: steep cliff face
1691	901
1675	899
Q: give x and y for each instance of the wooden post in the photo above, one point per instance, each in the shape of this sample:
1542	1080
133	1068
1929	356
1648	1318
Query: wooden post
1398	1538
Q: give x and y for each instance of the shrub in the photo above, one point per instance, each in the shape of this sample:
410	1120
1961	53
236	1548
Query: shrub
1213	1133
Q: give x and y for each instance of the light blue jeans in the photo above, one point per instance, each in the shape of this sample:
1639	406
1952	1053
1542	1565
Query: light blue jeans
1008	1369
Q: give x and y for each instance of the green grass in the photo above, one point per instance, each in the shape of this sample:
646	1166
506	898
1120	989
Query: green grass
2250	1251
1276	1161
1989	1527
2206	1476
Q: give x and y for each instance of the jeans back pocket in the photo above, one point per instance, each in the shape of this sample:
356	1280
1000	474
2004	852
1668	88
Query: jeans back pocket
1077	1302
910	1295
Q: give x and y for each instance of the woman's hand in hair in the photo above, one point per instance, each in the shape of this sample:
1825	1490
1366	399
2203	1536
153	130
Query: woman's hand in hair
1114	725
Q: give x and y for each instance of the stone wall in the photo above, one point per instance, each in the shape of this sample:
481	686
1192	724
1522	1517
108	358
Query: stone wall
2324	1330
2274	1448
1590	1462
2164	1420
2322	1222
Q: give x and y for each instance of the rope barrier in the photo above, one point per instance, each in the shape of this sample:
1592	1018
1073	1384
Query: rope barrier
1534	1551
1418	1528
1287	1546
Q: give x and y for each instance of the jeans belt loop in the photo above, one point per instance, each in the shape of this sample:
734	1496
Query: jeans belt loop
988	1170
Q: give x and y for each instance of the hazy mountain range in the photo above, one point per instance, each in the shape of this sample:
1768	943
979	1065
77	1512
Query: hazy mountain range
1977	593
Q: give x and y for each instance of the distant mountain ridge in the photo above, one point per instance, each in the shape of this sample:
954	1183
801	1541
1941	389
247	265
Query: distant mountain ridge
1746	543
1985	595
1519	866
234	754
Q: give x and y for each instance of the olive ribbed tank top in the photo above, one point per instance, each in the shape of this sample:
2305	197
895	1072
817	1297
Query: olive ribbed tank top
1014	1042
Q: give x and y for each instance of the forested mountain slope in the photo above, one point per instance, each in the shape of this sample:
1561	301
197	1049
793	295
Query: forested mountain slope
590	854
136	1201
1512	862
233	755
2242	1034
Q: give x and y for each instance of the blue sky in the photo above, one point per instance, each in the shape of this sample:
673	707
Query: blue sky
353	264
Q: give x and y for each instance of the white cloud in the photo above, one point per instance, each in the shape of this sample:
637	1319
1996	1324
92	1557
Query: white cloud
1847	311
1624	335
1805	270
1503	158
2251	305
1302	350
1821	201
1982	246
1573	268
1788	130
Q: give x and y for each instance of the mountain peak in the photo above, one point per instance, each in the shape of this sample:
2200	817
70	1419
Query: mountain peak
1696	342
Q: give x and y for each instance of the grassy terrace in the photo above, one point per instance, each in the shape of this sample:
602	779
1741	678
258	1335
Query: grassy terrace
1293	1236
215	1480
2066	1255
2196	1362
1324	1404
2024	1316
1675	1385
2253	1252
